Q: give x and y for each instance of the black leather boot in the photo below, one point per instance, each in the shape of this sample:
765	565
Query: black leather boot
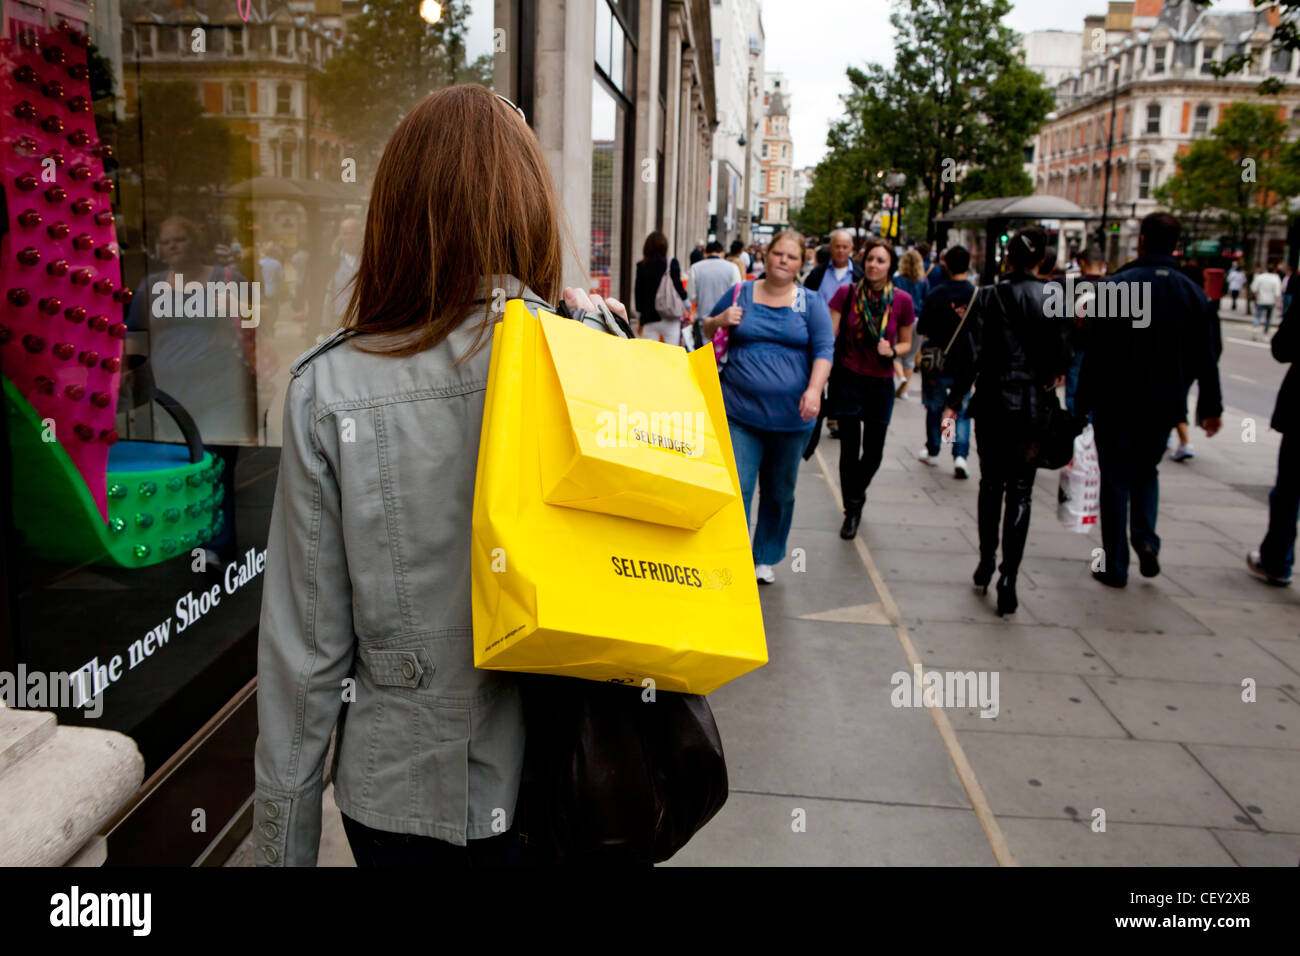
852	518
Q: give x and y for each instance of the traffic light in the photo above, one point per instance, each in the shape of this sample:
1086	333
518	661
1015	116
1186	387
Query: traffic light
1003	237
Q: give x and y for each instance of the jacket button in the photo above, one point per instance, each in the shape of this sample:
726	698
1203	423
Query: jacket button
270	854
270	829
408	670
272	810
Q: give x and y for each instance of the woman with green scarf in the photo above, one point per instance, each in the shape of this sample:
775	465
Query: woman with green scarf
877	329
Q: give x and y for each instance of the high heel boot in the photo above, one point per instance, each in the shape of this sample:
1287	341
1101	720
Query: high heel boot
984	573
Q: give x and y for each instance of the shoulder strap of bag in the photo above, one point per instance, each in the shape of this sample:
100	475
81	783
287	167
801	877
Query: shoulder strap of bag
957	331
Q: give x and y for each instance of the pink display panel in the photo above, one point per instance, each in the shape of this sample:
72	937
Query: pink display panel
62	329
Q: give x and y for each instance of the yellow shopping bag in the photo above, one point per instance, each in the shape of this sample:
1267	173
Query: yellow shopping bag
640	441
599	583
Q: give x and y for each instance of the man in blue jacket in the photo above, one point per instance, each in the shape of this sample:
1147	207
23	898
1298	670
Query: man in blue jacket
1151	334
1276	553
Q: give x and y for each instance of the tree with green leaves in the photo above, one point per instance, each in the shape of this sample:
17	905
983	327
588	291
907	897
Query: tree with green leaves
955	110
391	60
181	153
1244	171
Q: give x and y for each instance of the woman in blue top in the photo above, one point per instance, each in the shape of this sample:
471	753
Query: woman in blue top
778	360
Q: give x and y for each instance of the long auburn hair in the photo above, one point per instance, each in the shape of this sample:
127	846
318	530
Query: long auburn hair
462	193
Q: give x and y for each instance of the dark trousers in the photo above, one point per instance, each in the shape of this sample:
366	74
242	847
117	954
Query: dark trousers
1277	552
1003	474
864	405
1130	489
380	848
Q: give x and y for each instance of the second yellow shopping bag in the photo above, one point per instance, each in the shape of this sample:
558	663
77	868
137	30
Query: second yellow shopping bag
565	588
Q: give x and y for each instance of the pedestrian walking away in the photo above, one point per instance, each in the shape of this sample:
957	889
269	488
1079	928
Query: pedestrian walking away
710	278
872	322
657	278
1145	363
778	358
1266	287
1276	555
938	323
1015	357
910	278
1236	282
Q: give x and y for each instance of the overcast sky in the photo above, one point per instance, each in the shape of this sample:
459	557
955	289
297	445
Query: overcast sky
814	41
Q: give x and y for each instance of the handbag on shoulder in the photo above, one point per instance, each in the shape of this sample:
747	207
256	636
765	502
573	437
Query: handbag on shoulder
931	358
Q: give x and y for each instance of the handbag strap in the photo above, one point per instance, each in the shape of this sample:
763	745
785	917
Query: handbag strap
957	331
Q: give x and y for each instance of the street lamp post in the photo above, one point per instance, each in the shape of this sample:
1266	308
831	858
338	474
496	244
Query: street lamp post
749	151
1110	146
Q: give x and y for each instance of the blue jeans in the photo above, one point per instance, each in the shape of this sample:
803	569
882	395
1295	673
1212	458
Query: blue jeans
772	460
1130	489
1263	313
1277	552
934	392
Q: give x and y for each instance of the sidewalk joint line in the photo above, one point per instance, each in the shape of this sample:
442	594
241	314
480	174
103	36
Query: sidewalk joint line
965	773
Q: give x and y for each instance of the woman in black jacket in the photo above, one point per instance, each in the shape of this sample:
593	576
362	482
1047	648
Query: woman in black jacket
1016	358
650	272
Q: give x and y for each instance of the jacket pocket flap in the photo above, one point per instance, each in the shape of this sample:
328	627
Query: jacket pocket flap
408	668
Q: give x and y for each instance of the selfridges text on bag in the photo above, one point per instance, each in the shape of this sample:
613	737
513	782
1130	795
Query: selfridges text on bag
1080	487
609	537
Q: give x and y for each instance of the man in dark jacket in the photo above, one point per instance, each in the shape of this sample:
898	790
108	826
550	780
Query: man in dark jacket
1276	553
1149	337
842	269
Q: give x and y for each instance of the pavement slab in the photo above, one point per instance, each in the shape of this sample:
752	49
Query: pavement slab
1134	781
758	830
1050	704
1189	657
1006	647
1202	713
1066	843
1261	849
1266	783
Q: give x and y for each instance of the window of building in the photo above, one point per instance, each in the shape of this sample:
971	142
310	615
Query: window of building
283	100
283	37
1280	61
238	98
1153	119
1158	61
1208	51
717	50
611	43
765	150
1201	122
235	39
1144	183
169	39
288	154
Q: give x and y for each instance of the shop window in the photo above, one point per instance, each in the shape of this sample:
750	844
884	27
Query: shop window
608	145
141	569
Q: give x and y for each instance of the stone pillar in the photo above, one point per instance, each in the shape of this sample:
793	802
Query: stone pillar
649	127
686	124
673	128
565	58
58	787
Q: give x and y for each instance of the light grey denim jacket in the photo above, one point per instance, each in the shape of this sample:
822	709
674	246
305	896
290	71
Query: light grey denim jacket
366	606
